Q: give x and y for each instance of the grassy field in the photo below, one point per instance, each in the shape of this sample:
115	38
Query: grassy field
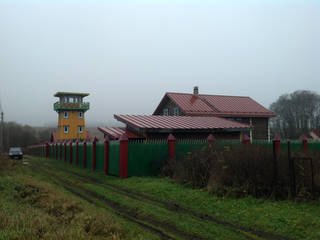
48	199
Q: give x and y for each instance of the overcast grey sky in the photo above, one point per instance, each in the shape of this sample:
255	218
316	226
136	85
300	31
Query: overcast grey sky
127	54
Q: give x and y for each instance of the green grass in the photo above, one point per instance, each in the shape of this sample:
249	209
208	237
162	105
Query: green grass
51	211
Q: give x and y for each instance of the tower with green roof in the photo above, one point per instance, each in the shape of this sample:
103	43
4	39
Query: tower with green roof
71	115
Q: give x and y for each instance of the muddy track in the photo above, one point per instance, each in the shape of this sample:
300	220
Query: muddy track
176	207
125	212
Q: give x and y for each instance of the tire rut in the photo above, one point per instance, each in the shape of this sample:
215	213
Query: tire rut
177	208
127	213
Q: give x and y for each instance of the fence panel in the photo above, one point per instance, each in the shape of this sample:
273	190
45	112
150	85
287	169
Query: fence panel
74	154
183	148
114	148
314	146
81	154
100	156
67	152
89	155
146	158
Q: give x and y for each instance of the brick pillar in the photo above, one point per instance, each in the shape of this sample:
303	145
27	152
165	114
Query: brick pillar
211	140
171	142
276	145
246	140
106	155
70	152
65	151
47	150
77	152
85	154
94	153
305	144
123	156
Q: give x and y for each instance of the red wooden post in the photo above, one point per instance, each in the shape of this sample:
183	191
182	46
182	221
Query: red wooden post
60	151
123	156
77	152
47	149
85	154
171	142
211	140
65	150
305	144
94	153
246	140
277	145
70	152
106	155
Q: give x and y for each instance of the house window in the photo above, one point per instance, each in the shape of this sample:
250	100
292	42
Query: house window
65	99
80	129
66	129
65	115
71	99
176	111
80	115
166	112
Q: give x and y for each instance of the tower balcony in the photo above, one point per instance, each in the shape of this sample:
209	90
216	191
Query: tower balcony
71	106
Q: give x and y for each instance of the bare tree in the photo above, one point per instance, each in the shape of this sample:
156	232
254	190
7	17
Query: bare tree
297	113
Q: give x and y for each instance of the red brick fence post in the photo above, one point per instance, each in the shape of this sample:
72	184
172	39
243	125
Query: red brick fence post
211	140
246	140
106	155
171	142
47	149
123	156
305	144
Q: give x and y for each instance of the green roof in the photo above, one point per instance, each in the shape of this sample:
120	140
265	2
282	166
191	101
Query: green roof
58	94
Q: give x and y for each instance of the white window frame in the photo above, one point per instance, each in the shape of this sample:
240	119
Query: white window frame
166	112
176	111
65	129
80	115
80	129
65	114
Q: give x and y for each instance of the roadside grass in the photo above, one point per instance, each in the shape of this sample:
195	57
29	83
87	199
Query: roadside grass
295	220
32	208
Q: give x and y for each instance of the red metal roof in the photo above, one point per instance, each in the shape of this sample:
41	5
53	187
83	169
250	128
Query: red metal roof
179	122
217	105
116	132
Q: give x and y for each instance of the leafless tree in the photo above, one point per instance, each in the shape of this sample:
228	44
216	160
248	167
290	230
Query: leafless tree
297	113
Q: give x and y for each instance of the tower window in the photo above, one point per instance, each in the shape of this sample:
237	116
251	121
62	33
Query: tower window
80	114
65	115
166	112
176	111
66	129
80	129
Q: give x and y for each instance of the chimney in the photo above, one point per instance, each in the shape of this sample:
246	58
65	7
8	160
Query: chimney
195	91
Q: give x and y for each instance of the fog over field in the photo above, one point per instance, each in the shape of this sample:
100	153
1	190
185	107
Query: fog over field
127	54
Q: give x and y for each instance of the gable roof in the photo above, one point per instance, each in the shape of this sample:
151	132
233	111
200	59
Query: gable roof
168	123
116	132
215	105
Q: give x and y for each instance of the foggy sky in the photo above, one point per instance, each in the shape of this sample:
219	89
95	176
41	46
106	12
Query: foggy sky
127	54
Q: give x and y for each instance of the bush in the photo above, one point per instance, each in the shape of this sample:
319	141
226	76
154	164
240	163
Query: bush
243	170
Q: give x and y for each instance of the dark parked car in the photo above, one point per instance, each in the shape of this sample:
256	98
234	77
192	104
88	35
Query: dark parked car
15	152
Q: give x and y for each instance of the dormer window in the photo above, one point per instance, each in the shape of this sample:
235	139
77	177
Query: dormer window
176	111
166	112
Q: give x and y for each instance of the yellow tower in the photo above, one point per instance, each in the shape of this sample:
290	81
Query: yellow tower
71	110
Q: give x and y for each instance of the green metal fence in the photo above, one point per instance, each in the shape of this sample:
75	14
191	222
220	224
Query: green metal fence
100	156
146	158
114	155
